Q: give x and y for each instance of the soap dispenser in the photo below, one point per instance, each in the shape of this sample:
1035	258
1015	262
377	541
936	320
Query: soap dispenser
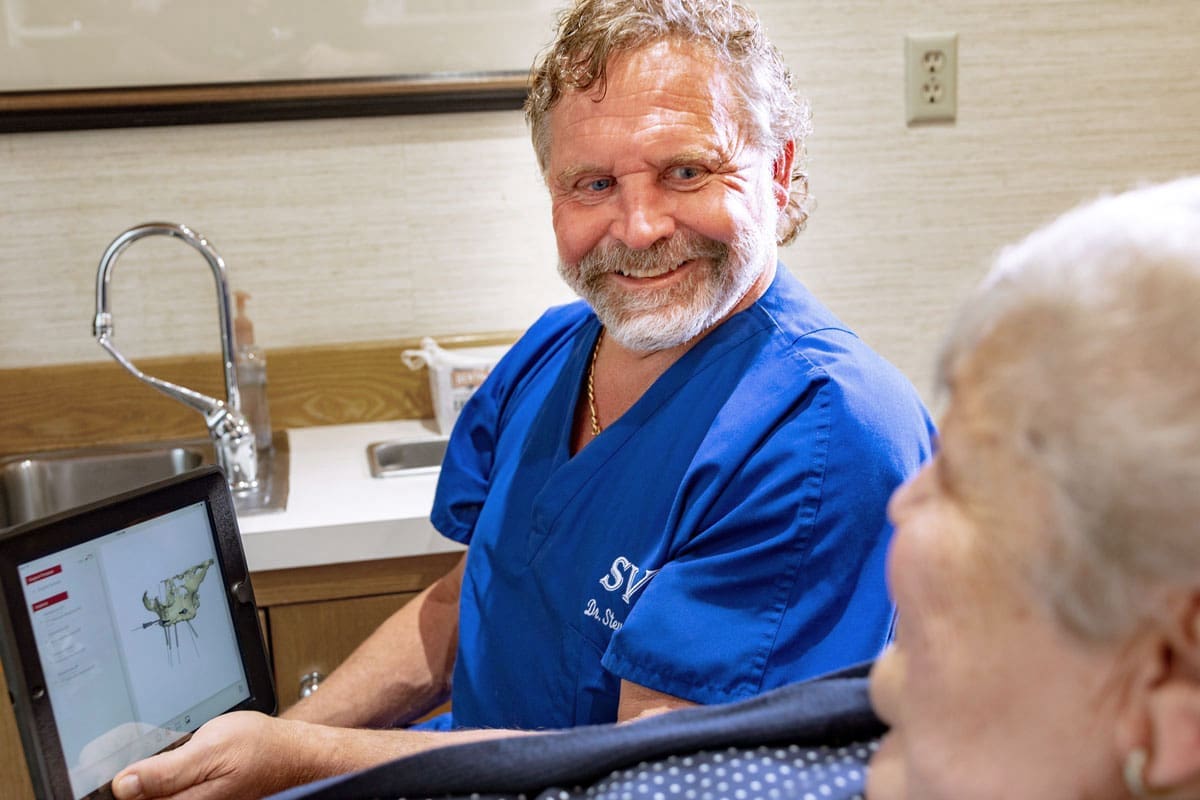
252	375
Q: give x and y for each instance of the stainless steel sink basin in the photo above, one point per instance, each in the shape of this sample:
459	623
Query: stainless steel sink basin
405	456
35	485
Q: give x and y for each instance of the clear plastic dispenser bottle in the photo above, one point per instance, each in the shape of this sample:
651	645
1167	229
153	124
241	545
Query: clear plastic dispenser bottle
252	374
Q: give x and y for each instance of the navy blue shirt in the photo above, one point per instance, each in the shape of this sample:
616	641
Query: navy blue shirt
725	536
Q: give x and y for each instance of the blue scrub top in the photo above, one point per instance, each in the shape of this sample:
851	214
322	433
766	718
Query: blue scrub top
725	536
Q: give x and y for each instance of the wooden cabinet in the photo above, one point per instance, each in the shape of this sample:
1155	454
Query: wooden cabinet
14	778
313	617
313	638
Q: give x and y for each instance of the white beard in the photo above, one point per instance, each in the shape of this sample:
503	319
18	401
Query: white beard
658	319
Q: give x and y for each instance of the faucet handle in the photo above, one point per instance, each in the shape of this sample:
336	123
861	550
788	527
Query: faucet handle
237	454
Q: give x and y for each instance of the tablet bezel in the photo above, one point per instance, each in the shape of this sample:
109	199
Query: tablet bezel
42	537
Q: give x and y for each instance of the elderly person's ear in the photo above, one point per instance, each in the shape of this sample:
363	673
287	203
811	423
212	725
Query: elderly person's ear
1163	738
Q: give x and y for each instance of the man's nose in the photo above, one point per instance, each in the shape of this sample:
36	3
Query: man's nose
643	217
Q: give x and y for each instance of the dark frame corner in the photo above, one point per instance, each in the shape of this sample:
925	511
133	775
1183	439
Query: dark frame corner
261	101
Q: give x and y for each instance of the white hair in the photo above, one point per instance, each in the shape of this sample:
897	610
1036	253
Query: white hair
1098	315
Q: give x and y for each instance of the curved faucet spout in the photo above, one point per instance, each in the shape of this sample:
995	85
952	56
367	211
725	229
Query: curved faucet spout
231	433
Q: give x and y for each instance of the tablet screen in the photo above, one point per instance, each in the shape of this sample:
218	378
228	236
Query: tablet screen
135	639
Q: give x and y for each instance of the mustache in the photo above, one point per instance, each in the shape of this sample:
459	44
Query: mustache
663	255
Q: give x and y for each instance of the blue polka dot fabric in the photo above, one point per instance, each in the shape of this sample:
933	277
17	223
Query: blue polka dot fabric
761	773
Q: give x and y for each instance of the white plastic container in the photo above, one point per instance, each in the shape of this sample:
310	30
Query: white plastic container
454	375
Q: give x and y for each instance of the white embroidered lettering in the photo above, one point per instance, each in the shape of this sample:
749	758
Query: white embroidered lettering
636	585
614	580
624	572
608	619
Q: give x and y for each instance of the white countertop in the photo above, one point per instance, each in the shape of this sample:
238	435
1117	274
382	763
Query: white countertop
336	511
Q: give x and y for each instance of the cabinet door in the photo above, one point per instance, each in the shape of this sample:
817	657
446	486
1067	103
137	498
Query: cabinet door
317	636
14	777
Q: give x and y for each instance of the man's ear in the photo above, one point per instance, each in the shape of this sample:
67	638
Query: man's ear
782	173
1167	700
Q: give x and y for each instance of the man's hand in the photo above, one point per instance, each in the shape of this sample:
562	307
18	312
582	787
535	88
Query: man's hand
238	755
246	755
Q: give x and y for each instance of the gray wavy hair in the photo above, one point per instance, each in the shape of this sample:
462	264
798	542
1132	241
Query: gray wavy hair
1099	316
590	32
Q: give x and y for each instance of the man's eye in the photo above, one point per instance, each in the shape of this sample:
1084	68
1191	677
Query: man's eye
596	184
686	173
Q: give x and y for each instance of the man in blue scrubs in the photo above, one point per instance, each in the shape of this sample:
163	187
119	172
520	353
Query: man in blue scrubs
673	491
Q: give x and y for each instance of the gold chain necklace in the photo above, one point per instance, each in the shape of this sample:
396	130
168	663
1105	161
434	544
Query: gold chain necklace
591	387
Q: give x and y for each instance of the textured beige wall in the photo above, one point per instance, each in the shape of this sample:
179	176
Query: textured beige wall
353	230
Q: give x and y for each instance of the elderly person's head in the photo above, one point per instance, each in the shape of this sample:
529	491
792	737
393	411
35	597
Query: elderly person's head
1046	564
671	141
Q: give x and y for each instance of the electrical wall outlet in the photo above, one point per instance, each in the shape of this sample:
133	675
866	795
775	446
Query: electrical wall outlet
931	77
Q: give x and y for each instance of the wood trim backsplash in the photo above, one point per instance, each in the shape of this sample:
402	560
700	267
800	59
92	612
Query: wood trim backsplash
76	405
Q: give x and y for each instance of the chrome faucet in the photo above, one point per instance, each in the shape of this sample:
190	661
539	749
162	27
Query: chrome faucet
232	436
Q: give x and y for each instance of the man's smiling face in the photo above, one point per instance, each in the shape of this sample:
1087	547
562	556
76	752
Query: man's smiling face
664	210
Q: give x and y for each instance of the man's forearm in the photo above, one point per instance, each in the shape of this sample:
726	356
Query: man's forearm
401	671
245	755
344	750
